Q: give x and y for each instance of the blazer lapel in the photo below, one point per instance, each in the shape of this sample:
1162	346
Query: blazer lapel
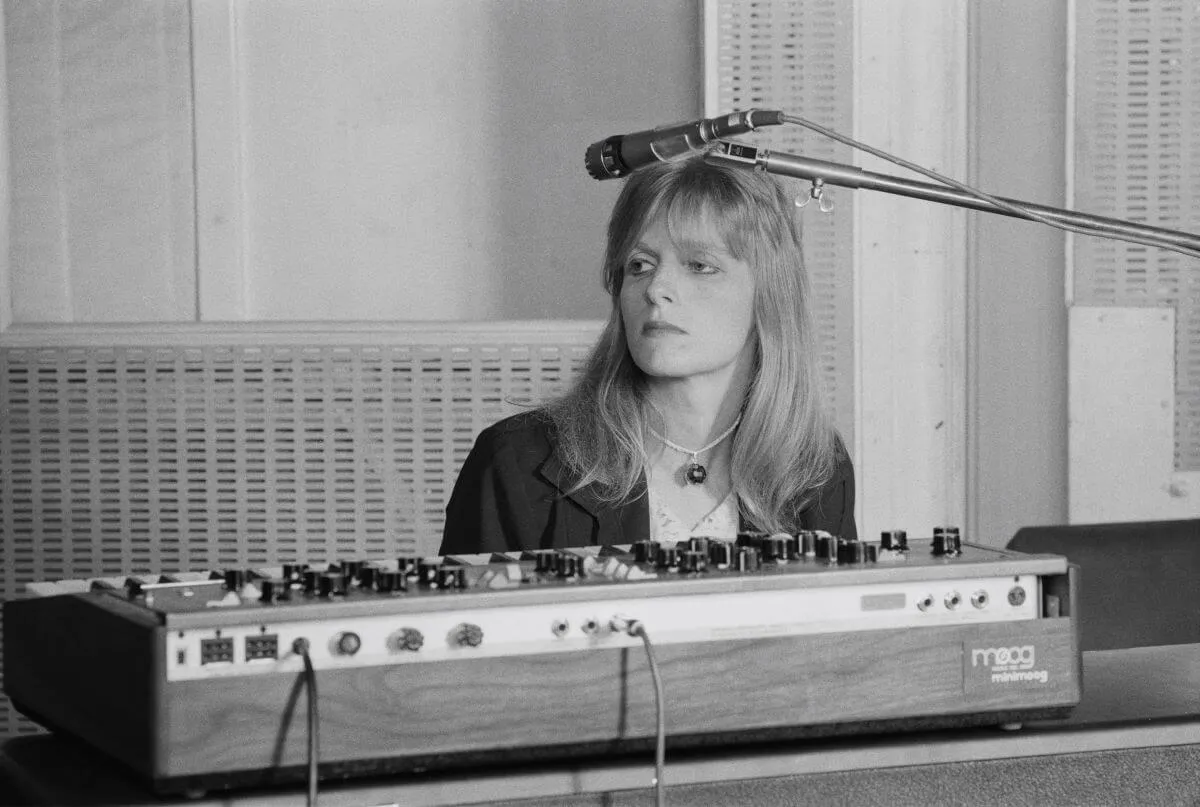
614	524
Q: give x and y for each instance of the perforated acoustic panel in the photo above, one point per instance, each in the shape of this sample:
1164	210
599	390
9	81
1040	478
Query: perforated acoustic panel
797	56
200	450
1137	157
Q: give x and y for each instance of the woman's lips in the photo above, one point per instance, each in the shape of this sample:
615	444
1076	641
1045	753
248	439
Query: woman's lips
651	328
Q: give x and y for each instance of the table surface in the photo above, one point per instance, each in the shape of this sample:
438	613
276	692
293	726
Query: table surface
1144	699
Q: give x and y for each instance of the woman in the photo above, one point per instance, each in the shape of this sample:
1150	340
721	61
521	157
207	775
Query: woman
698	412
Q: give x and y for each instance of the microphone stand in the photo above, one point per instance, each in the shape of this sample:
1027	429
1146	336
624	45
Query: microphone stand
821	173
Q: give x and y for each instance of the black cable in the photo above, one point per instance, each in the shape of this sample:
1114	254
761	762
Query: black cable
1010	207
300	646
635	628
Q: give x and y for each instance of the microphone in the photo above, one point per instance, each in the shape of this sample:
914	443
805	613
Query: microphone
618	155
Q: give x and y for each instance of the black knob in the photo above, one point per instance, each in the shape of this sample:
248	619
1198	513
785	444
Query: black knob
720	554
466	635
774	549
544	560
427	572
946	541
409	639
331	583
808	542
452	578
698	545
566	566
311	578
895	540
350	568
750	538
387	581
367	575
872	553
693	561
407	564
294	572
274	589
827	548
746	559
235	579
792	546
645	551
667	558
851	552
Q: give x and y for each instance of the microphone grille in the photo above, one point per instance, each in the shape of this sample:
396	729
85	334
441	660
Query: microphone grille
601	160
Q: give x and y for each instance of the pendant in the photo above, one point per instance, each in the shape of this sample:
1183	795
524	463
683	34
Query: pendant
696	474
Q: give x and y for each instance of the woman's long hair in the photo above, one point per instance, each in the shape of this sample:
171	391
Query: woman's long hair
785	447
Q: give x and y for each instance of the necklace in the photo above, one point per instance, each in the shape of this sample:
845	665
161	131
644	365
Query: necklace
697	473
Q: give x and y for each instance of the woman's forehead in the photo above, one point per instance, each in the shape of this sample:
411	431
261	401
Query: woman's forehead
692	227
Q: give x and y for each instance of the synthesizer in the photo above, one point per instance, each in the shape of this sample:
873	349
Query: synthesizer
194	680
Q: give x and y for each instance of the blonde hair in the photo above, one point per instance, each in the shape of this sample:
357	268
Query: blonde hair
786	447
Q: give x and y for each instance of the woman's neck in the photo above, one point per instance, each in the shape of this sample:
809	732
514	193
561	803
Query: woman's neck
694	413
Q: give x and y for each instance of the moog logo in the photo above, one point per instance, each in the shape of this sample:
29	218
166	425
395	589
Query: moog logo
1007	658
1009	664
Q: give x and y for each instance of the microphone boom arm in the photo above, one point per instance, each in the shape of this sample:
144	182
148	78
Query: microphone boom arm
727	152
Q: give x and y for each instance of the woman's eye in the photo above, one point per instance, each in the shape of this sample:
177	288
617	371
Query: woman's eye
637	266
702	268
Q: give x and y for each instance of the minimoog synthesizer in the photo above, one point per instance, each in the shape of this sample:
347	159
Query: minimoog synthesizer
194	682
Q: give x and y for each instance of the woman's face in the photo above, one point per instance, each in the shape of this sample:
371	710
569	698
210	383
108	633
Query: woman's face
688	308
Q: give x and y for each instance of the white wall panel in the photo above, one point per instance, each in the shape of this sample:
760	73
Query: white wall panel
101	161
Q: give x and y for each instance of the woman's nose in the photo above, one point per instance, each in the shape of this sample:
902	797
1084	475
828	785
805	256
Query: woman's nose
663	285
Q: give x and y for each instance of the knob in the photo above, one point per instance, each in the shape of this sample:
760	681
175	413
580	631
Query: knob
331	583
466	635
388	581
350	568
827	548
698	545
645	551
346	644
750	538
235	579
851	552
543	560
453	577
895	540
808	542
720	554
746	559
693	561
367	576
409	639
667	558
407	564
566	566
792	545
274	589
427	572
946	541
294	572
774	549
311	578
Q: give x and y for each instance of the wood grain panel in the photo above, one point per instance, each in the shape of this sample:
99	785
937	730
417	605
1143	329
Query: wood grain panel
605	696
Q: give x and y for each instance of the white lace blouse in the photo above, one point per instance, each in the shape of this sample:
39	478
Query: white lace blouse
666	528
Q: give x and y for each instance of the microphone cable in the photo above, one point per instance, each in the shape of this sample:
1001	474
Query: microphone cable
301	647
634	627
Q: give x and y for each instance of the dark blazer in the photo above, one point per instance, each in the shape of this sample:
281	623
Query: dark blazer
511	495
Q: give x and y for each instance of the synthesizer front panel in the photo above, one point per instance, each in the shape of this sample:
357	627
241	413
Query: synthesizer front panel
433	662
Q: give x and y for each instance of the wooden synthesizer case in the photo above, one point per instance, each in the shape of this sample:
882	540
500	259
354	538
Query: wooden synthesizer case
193	680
